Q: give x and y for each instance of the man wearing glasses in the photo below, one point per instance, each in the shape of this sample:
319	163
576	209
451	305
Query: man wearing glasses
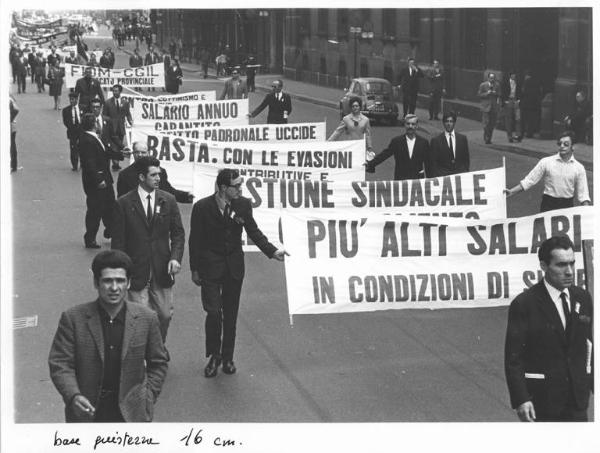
217	263
564	178
235	88
279	103
128	179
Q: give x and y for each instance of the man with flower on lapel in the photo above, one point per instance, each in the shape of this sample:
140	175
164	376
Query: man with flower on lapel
548	349
107	359
147	226
217	263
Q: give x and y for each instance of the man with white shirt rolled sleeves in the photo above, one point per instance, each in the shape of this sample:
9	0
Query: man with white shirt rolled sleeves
548	350
564	178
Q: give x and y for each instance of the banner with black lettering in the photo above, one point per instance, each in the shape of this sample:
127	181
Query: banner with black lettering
142	76
188	115
193	165
247	133
368	263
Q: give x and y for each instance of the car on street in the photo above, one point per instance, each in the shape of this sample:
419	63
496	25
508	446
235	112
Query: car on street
377	99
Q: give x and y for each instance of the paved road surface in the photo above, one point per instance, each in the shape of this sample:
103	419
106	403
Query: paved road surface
406	365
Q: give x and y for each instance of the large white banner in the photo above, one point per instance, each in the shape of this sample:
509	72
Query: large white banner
247	133
142	76
193	165
189	114
368	263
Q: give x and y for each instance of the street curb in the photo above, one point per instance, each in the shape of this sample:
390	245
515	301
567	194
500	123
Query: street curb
303	98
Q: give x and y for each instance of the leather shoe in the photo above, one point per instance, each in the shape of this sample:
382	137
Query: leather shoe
212	367
228	367
92	245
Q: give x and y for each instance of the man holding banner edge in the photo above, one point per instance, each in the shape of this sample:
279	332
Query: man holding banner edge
217	263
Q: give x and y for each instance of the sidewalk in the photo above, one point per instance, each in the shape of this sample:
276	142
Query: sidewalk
330	97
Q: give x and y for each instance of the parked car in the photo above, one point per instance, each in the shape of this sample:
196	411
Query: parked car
377	99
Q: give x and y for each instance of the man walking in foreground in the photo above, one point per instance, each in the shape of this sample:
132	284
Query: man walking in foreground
548	350
107	359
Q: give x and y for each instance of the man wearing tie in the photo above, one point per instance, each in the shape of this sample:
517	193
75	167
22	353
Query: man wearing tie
147	226
97	180
72	121
449	151
409	81
117	110
409	151
489	92
235	88
548	349
217	263
279	103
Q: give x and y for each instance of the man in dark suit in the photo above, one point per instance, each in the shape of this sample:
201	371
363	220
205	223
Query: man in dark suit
151	58
548	350
409	81
136	59
97	180
235	88
107	359
510	94
449	151
72	121
279	103
217	263
88	88
128	178
147	226
409	151
117	110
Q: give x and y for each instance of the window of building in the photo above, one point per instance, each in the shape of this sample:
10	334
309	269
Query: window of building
474	38
323	65
389	23
322	18
342	23
342	70
304	21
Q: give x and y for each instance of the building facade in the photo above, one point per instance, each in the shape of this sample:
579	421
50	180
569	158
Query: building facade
331	46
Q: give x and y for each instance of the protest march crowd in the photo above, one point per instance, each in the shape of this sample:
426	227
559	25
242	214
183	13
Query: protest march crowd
349	245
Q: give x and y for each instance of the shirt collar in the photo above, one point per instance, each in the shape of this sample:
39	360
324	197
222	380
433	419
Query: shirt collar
106	317
571	159
221	202
143	194
555	293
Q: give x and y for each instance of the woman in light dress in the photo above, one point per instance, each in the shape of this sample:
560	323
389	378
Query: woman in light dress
354	126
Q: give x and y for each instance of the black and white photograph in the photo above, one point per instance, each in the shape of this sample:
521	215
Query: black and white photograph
258	227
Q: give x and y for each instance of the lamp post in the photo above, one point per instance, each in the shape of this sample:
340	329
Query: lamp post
358	32
355	31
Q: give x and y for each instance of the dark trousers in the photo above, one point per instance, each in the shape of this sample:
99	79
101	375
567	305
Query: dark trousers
100	204
435	104
21	82
409	102
221	301
530	120
108	410
250	84
550	203
13	151
74	152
